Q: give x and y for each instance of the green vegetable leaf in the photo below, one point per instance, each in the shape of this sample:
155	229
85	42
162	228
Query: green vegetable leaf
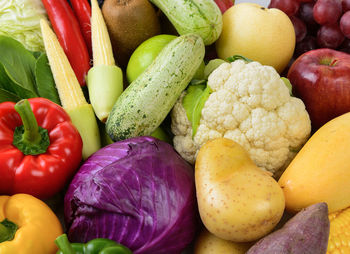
36	54
211	66
238	57
18	62
8	96
11	86
45	82
288	84
198	82
193	102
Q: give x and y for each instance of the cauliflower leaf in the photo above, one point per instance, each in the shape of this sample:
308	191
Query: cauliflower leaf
197	94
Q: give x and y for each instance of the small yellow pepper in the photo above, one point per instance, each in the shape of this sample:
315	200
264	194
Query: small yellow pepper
27	226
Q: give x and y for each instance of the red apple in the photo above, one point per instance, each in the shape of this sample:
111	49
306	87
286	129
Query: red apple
321	79
224	4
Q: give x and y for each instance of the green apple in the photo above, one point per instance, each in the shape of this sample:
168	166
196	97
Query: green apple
258	33
145	53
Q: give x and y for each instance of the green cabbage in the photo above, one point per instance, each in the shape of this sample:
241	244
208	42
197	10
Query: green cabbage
20	19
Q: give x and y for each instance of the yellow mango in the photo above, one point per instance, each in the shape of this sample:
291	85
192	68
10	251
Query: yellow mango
237	201
320	172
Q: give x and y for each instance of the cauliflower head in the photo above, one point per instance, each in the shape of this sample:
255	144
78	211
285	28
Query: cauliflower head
250	104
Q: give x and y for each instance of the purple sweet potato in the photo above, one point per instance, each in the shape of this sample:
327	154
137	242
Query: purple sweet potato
305	233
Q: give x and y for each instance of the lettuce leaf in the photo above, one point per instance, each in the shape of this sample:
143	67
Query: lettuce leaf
20	19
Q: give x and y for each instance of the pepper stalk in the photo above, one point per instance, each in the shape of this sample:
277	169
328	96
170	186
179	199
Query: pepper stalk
29	137
104	79
70	93
7	230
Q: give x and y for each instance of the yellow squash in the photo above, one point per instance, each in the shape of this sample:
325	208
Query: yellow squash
320	172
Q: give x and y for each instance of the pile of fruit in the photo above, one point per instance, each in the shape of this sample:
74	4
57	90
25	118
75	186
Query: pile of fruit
174	126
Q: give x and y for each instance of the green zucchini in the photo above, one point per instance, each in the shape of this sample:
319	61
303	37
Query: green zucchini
145	103
202	17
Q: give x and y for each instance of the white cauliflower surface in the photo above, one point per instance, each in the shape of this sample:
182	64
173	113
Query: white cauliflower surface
251	105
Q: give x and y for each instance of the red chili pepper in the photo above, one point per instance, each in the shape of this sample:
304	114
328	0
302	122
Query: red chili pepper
40	149
67	29
82	10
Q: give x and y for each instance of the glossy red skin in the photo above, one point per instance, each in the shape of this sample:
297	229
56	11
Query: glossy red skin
67	29
224	4
82	10
324	89
45	174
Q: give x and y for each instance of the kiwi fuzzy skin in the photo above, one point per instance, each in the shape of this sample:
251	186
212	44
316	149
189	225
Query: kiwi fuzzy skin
129	23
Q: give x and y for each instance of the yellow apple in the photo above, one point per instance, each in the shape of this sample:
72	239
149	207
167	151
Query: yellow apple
258	33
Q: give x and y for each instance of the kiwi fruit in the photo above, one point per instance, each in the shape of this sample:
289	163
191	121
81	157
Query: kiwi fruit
129	23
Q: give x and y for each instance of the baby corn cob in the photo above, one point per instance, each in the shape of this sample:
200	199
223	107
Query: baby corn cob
70	93
104	79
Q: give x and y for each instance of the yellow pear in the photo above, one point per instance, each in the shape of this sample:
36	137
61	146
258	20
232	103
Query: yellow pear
258	33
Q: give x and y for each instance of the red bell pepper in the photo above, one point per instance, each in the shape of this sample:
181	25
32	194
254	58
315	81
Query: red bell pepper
40	149
67	29
82	10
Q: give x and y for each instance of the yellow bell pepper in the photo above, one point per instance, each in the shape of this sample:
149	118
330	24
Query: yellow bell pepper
33	224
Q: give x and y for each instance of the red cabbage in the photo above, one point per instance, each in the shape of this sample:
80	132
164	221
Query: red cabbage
138	192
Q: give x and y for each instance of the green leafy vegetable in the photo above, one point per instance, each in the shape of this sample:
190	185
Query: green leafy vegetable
23	73
9	84
20	19
44	80
36	54
18	62
197	94
7	96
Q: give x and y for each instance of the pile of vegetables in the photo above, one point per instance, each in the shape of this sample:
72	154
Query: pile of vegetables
108	145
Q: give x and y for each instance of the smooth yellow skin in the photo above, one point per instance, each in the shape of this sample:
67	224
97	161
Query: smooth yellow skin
208	243
38	226
258	33
237	201
320	172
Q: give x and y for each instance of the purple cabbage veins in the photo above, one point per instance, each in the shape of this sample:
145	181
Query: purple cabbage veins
138	192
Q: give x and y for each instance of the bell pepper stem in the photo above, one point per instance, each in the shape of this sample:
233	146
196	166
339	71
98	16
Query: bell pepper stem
7	230
31	129
3	233
64	245
29	138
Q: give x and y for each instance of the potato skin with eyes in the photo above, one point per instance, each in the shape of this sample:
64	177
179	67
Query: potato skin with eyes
207	243
237	201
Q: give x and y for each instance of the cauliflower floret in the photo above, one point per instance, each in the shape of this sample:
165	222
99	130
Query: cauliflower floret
251	105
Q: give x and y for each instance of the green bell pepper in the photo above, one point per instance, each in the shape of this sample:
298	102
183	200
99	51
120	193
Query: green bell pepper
95	246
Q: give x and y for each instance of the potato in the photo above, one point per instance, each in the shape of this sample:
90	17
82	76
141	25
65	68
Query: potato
307	232
208	243
237	201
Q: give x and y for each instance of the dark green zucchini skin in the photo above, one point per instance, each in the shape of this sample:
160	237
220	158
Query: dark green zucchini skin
145	103
202	17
